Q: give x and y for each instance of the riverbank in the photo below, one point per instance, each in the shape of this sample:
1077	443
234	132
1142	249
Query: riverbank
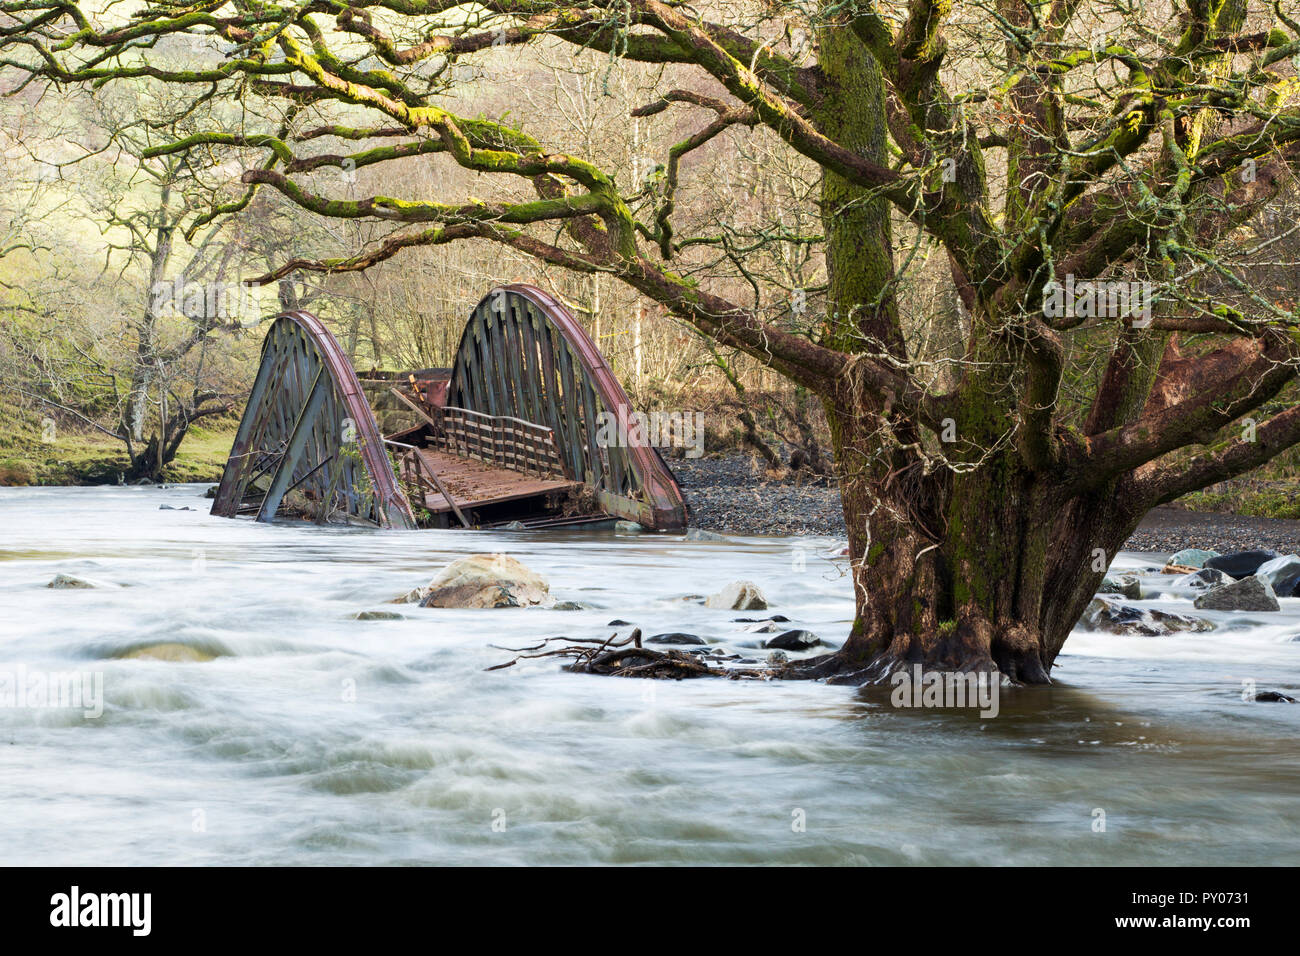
36	453
733	495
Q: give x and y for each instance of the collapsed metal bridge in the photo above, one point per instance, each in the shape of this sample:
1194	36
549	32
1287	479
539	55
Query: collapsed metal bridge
515	431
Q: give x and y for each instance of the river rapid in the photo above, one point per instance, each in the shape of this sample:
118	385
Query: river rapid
311	737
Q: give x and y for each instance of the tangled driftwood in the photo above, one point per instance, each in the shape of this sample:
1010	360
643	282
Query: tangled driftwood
627	658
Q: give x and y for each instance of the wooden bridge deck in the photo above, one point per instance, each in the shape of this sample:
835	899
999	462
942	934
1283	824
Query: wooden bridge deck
475	484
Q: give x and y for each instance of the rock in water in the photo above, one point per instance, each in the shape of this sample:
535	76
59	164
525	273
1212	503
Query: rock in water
168	651
1204	578
1104	615
484	581
797	640
1240	564
1283	573
699	534
1248	594
1192	557
1274	697
1126	585
675	637
67	581
379	616
738	596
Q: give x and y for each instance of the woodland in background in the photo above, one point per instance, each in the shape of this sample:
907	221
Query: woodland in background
99	377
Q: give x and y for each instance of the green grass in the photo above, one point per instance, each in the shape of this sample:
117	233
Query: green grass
87	457
1251	503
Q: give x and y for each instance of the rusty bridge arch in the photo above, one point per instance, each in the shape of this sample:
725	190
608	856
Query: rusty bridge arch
309	429
524	355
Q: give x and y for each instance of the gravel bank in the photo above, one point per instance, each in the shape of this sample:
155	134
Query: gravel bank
1172	529
732	495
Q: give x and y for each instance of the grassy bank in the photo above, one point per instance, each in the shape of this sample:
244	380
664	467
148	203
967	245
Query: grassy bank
34	453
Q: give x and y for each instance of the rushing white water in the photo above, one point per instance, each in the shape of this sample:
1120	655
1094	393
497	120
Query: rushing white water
316	738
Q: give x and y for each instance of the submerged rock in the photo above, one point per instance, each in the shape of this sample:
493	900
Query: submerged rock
1192	557
572	606
796	640
1125	584
779	618
618	622
676	637
1114	618
1248	594
629	527
486	581
68	582
1241	564
738	596
699	534
1274	697
170	652
379	616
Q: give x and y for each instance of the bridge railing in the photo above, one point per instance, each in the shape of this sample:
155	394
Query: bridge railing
499	440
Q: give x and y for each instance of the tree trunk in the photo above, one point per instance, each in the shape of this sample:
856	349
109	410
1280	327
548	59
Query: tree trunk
986	570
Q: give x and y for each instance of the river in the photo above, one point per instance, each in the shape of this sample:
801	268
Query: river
315	738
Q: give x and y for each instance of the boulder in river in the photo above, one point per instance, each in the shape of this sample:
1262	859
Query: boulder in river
1192	557
738	596
796	640
1248	594
1241	564
1204	578
1116	618
699	534
1274	697
169	651
1126	585
1283	573
486	581
379	616
675	637
68	582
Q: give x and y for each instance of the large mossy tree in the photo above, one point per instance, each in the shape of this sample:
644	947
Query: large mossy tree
1034	142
